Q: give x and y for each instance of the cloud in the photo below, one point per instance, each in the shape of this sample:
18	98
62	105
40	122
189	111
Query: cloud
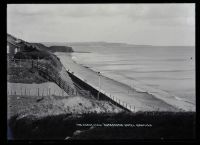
155	14
93	22
79	10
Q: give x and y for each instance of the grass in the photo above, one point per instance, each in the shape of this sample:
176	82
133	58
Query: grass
27	74
31	55
166	125
24	74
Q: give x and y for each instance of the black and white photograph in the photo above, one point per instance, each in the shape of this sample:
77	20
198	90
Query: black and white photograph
112	71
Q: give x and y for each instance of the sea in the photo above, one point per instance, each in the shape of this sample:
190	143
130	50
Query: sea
170	69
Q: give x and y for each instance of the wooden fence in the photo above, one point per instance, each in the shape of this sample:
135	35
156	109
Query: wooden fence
50	73
14	89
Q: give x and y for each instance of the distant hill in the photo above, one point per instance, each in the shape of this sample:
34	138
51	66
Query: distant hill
113	44
87	44
100	44
40	46
60	49
53	48
30	47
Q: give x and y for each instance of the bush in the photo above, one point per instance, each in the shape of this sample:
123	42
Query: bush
166	125
31	55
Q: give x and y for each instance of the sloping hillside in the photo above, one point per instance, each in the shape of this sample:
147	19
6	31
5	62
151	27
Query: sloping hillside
60	49
35	50
54	48
24	73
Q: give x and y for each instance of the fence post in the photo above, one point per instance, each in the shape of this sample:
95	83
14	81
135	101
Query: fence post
32	63
59	81
37	62
38	92
19	62
21	91
49	91
42	92
25	91
71	91
133	87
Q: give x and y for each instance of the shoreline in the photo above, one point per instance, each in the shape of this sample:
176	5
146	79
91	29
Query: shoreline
157	93
168	73
147	100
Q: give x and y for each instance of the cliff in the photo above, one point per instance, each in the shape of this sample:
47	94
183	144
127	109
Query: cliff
60	49
34	50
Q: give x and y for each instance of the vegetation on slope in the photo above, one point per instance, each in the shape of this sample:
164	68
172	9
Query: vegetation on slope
165	125
60	49
53	48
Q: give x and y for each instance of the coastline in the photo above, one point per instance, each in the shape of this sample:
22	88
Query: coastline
142	100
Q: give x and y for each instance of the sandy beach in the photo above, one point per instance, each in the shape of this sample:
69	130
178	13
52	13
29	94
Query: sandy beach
141	101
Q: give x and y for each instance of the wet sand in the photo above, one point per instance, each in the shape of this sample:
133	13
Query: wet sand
139	101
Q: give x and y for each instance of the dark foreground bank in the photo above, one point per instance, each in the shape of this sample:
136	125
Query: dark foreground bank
141	125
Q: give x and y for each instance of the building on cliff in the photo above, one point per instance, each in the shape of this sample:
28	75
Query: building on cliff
14	45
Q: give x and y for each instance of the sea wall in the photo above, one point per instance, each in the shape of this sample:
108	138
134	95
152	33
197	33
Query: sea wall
94	91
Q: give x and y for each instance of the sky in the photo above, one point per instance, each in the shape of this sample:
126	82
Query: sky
145	24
